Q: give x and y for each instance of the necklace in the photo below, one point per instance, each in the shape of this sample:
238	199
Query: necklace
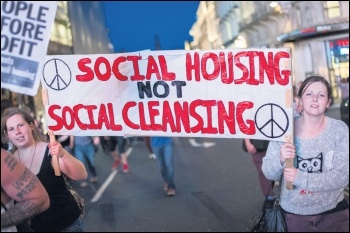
31	163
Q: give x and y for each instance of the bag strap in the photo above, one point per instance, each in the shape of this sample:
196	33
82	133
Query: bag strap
278	192
279	189
69	187
266	195
270	187
2	204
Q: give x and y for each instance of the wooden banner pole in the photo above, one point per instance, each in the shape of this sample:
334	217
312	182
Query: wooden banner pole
54	159
290	138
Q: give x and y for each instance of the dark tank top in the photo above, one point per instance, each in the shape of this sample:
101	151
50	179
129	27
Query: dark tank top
63	210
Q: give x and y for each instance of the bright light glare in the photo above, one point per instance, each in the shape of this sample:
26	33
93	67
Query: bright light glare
273	4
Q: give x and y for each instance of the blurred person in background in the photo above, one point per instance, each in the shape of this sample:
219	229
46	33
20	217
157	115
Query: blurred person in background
147	141
120	154
343	84
344	105
163	149
257	149
84	151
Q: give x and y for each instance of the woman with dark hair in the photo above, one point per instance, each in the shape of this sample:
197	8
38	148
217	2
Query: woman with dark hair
18	127
321	153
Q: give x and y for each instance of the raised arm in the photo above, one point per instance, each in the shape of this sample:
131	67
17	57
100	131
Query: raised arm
68	164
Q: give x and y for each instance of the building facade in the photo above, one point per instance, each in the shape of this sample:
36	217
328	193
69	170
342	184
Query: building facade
316	32
79	28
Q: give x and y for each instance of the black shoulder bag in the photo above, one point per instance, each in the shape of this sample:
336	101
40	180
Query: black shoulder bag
271	218
78	199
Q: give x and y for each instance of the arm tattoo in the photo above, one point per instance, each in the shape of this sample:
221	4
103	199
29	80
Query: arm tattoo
10	162
25	209
23	186
19	213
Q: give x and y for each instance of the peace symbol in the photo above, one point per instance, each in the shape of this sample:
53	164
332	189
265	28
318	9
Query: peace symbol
271	120
61	79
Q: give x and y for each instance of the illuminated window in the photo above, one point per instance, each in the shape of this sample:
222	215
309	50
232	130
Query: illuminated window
61	31
332	9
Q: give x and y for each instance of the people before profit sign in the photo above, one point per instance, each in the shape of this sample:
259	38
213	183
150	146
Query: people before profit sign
25	34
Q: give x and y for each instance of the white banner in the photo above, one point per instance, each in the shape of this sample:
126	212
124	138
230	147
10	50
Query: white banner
25	34
218	94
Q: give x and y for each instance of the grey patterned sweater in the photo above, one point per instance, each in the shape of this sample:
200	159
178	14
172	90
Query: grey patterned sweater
323	164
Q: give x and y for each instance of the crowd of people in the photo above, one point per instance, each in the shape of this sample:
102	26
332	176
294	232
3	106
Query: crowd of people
316	202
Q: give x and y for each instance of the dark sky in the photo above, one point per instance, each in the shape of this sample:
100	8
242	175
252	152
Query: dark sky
134	25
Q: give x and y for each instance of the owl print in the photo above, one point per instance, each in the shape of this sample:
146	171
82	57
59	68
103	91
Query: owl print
310	165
